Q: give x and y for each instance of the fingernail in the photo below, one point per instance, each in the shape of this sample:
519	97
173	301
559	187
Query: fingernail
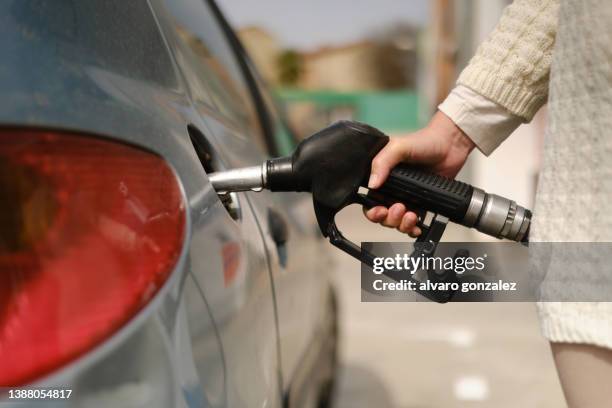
373	181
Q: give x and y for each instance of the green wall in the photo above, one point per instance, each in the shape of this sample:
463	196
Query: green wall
390	111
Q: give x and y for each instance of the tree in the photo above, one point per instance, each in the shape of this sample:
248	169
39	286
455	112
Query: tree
290	67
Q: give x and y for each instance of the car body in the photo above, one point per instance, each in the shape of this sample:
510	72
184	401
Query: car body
246	316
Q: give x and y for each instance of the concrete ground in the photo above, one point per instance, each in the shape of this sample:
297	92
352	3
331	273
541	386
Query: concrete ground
421	355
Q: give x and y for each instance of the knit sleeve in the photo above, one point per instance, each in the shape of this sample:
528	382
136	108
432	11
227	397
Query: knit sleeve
511	67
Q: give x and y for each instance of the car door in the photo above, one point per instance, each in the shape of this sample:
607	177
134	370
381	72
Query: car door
225	133
238	122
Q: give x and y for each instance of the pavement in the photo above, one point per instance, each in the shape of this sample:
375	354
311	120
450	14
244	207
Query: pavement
418	355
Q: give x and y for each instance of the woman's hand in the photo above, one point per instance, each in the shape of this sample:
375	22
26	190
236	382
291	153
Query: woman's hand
442	146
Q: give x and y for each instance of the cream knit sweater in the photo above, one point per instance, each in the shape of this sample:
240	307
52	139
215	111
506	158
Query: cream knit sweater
561	52
512	66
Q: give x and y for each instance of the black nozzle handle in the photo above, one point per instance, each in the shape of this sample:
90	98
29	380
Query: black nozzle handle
420	189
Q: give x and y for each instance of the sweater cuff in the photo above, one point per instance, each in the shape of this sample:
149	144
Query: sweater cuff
520	101
485	122
577	322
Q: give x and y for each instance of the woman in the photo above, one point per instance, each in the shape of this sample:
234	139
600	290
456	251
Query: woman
541	50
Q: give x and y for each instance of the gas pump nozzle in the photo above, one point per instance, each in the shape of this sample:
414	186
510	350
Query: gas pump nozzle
334	165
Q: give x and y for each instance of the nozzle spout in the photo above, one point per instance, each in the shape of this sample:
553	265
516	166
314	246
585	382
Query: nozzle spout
244	179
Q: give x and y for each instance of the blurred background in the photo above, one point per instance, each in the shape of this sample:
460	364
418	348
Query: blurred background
389	63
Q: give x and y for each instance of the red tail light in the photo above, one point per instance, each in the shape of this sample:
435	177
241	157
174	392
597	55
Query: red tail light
89	231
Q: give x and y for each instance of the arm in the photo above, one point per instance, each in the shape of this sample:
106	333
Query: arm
505	83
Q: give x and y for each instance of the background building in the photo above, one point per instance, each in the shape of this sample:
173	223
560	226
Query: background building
371	80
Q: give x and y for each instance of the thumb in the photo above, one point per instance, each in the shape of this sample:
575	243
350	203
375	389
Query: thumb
384	161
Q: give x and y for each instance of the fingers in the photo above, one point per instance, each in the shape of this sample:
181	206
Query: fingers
395	217
408	225
376	214
384	161
408	222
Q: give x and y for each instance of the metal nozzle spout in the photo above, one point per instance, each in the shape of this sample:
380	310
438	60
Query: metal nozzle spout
497	216
244	179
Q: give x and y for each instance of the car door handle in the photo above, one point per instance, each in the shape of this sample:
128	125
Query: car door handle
279	230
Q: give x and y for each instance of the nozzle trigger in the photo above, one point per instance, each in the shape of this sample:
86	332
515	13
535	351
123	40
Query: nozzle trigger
425	244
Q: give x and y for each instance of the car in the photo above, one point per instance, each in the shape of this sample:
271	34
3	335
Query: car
125	280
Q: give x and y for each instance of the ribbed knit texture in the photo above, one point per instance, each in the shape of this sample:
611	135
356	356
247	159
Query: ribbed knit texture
571	45
574	196
512	66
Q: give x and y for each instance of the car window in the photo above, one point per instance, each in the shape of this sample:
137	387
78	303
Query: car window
283	136
211	68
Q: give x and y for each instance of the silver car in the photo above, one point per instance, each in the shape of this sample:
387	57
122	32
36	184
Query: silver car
125	280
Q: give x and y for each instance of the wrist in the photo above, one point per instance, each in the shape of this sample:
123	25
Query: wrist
462	141
456	138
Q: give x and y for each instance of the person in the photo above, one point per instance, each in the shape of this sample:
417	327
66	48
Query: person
541	50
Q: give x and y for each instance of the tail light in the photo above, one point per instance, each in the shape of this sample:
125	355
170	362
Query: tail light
89	231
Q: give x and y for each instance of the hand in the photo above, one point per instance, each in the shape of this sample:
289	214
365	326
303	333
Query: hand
441	145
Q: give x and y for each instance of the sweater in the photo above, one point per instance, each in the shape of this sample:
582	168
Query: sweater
512	67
